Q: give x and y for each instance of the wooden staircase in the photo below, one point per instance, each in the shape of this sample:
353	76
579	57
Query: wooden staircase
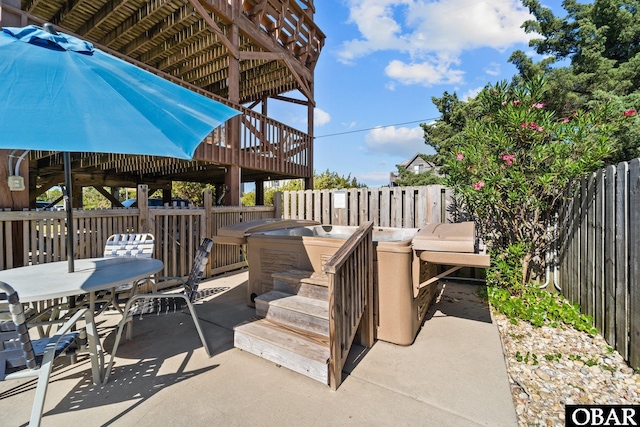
293	325
296	330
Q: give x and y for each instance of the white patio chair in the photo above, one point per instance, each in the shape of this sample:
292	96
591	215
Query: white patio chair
166	303
20	357
125	245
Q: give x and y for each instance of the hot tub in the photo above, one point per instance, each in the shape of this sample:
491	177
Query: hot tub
397	313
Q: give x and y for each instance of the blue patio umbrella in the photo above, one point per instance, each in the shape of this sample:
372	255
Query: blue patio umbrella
59	93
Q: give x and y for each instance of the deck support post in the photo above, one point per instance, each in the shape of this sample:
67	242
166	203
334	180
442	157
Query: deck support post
232	176
259	193
14	200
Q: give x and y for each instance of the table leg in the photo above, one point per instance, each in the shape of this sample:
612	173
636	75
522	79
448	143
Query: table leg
93	340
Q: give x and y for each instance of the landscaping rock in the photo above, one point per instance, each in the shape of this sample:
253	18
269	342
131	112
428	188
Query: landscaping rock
570	367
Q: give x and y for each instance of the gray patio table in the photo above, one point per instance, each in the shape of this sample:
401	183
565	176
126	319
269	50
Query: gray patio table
53	280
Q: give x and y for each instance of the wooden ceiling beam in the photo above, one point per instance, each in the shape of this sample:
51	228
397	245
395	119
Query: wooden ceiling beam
301	72
51	181
32	5
177	44
199	52
92	28
214	27
107	195
67	8
260	56
165	30
147	15
288	99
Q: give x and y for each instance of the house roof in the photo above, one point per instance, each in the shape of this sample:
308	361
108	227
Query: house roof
408	162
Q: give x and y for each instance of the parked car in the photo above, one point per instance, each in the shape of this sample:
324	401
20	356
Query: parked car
157	201
42	205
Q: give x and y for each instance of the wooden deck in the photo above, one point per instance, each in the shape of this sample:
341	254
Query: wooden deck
238	53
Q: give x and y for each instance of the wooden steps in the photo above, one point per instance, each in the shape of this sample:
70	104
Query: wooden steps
293	329
304	283
302	352
297	311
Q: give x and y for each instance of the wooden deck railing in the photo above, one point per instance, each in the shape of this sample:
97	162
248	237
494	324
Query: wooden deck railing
272	146
350	272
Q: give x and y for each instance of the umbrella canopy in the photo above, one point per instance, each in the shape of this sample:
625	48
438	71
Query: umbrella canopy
59	93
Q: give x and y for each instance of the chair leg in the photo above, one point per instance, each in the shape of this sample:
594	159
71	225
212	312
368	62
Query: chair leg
126	319
41	388
197	323
121	326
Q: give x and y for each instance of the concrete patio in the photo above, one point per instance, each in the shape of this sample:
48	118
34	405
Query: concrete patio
453	375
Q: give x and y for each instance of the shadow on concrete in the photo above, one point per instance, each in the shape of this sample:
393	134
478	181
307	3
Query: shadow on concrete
453	299
134	383
459	299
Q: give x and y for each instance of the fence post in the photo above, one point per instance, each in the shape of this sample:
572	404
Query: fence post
207	227
207	200
277	203
142	196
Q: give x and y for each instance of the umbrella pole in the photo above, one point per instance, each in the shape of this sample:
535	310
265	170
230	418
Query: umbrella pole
69	209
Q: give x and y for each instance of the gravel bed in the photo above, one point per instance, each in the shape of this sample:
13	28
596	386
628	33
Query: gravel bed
551	367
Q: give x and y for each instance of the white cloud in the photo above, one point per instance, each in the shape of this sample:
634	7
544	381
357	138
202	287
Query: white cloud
376	23
471	93
424	73
374	179
402	142
493	69
320	117
433	34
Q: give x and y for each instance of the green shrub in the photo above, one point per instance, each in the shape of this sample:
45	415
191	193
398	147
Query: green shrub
539	307
511	163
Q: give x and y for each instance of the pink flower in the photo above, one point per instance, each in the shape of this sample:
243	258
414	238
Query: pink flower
478	185
536	127
459	156
630	113
508	158
524	125
517	102
504	103
539	105
565	120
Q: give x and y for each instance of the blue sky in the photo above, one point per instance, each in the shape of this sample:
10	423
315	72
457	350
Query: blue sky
382	62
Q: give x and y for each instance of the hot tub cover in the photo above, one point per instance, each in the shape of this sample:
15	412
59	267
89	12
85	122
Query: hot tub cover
459	237
237	234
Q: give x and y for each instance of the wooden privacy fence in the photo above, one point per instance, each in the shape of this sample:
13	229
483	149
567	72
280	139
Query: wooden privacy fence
41	235
403	207
599	253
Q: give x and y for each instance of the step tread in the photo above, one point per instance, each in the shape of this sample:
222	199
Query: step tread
297	303
304	276
306	344
272	296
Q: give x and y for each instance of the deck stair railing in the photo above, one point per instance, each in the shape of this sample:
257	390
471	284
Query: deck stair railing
350	272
